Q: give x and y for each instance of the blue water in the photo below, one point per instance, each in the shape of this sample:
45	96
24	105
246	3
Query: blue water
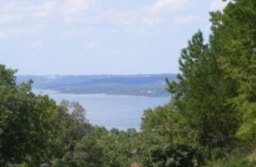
113	111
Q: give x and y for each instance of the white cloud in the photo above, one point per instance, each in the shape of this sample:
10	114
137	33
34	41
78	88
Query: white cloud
75	6
36	44
187	20
77	32
7	32
46	9
218	5
167	5
72	9
20	17
16	13
148	16
91	45
6	18
123	17
12	12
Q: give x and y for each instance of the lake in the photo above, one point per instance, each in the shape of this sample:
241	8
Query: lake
113	111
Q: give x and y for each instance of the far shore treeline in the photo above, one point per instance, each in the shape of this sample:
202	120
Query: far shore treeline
210	120
152	85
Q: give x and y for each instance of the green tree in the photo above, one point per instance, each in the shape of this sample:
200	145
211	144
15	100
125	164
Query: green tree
161	141
200	95
118	147
88	151
25	121
70	127
234	41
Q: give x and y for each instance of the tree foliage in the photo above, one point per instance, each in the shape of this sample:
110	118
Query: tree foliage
25	121
161	141
201	95
234	40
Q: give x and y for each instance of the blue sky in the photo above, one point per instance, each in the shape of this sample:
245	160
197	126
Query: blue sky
99	36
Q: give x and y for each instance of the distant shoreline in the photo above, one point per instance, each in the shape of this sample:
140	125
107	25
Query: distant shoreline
149	85
47	92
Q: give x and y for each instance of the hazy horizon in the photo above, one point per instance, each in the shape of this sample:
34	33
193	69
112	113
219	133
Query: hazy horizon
123	74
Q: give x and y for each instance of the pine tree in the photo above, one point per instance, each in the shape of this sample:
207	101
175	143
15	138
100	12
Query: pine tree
234	41
200	94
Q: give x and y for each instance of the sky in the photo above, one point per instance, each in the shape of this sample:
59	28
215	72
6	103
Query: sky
75	37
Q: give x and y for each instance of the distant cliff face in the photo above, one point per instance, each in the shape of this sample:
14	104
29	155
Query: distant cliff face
142	85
